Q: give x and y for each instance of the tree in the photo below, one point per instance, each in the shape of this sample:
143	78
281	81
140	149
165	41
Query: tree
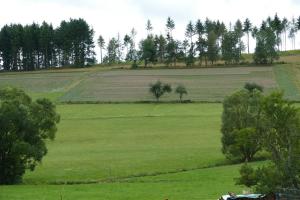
190	32
181	90
285	24
148	50
171	51
101	44
238	29
212	47
253	86
149	27
161	47
265	51
112	55
247	29
276	25
240	124
127	41
132	54
25	126
170	26
158	89
281	139
292	32
230	48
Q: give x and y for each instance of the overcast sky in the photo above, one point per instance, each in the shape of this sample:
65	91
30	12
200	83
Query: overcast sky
108	17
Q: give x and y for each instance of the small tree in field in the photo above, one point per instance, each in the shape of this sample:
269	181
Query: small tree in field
181	90
158	89
25	125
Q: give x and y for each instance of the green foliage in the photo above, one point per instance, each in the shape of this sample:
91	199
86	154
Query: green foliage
240	125
33	46
101	44
265	51
253	86
148	53
160	43
281	139
247	29
112	48
212	47
247	176
181	90
25	125
171	51
231	48
158	89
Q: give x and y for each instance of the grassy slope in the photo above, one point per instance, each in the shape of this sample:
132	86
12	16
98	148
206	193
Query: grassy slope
97	142
204	184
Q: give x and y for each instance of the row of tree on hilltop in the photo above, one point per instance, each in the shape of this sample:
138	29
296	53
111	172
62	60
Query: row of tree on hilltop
37	46
205	42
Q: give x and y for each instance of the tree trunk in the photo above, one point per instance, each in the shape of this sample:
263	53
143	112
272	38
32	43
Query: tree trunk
101	55
248	42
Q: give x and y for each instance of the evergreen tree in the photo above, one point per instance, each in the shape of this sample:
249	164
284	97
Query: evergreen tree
149	27
170	25
101	44
265	51
231	48
148	50
247	29
127	41
285	24
212	47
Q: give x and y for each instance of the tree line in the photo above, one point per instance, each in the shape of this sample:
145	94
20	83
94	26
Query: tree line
37	46
205	42
42	46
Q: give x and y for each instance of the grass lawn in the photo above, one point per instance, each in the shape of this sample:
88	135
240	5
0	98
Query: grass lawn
133	151
106	141
204	184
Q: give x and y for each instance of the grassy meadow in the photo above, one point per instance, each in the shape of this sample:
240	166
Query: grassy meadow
126	150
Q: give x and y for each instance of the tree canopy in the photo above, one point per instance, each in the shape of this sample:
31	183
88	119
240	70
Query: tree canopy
25	125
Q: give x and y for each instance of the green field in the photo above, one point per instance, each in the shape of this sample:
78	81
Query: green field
204	184
132	151
100	142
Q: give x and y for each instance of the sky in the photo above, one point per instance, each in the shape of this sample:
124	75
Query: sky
110	17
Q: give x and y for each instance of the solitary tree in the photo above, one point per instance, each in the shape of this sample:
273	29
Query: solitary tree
181	90
25	126
101	44
158	89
